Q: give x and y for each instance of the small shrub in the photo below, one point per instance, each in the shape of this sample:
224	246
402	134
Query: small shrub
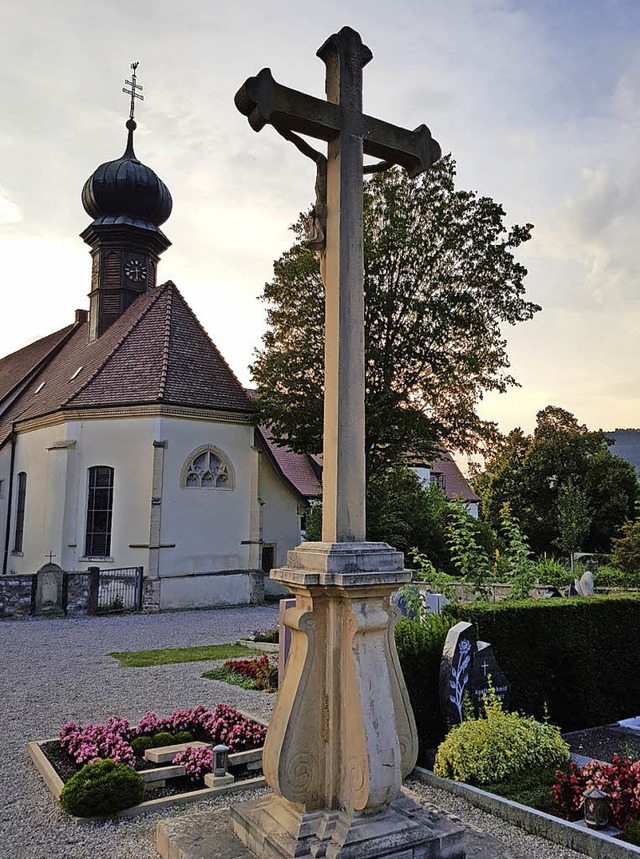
196	762
140	745
550	572
497	745
162	738
182	737
270	636
631	832
101	788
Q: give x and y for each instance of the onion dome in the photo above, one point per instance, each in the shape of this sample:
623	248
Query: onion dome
126	191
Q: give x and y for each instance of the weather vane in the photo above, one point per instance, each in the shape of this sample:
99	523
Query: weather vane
132	92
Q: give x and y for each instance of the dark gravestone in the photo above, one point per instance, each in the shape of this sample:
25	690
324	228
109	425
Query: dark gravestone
486	675
50	596
468	671
455	671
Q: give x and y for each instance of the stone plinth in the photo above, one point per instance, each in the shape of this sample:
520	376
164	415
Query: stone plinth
342	734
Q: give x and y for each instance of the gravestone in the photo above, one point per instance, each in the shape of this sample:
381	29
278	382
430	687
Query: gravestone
50	601
484	671
468	670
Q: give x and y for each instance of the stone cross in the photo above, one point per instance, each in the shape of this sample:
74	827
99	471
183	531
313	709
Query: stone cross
349	133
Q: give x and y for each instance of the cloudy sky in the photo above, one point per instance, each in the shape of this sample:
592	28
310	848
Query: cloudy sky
538	100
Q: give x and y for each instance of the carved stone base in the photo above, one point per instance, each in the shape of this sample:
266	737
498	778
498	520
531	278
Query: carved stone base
273	828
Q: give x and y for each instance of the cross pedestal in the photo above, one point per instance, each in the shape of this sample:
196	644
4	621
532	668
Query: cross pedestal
342	734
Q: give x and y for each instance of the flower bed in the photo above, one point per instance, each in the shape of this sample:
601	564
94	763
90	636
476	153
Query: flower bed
261	673
79	748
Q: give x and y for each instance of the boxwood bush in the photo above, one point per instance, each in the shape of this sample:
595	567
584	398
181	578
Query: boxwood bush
102	788
498	745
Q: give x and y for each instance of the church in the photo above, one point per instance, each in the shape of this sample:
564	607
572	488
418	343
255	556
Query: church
125	438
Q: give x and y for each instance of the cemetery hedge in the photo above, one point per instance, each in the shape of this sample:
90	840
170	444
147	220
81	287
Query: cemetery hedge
573	659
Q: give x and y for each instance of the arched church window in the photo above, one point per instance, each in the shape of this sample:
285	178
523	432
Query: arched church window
207	468
99	512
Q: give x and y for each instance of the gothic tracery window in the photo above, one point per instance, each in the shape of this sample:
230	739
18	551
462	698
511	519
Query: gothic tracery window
207	468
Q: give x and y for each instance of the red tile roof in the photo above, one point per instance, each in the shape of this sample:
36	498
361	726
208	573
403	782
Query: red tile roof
296	467
455	484
15	368
156	352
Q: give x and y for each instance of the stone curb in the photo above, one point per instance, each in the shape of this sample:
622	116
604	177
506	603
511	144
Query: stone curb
264	646
563	832
55	785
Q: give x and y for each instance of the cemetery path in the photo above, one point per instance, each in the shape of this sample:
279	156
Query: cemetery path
55	670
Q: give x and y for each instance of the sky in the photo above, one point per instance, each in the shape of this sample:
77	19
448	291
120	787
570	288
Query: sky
537	100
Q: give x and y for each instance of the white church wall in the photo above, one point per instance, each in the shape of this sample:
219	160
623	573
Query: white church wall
5	470
209	527
280	521
32	457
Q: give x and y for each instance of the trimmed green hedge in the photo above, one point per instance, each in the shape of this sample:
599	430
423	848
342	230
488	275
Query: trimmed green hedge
420	652
578	659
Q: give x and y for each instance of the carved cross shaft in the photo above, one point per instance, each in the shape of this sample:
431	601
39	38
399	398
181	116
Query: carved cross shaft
349	133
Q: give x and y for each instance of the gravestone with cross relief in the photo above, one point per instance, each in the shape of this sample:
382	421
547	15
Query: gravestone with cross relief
468	672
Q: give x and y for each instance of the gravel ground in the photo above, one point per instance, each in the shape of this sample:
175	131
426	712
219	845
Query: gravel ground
56	670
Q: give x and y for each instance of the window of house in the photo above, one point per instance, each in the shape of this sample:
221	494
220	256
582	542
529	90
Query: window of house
207	468
438	479
99	512
20	506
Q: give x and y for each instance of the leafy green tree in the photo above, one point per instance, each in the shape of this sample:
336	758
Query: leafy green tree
532	473
574	518
626	549
441	279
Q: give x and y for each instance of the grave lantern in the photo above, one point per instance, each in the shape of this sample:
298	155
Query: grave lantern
596	808
220	760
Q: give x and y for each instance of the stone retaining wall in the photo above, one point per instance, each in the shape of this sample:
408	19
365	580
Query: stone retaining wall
77	593
16	596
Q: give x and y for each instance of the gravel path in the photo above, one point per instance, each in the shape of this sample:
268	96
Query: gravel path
54	670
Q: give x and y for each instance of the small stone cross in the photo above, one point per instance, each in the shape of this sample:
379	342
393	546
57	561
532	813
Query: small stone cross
349	133
50	556
484	667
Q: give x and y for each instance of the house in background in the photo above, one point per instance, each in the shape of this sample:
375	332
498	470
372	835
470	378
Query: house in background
125	438
445	473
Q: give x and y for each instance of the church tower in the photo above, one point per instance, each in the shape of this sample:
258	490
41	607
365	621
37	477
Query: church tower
128	203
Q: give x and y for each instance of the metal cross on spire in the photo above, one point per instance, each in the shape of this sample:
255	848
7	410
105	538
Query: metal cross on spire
132	92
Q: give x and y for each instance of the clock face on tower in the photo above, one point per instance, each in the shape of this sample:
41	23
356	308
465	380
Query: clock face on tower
135	270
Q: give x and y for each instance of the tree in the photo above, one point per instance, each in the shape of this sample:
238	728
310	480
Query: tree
440	279
556	478
574	518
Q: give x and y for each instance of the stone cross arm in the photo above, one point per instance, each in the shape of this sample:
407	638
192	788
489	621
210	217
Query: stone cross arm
264	101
